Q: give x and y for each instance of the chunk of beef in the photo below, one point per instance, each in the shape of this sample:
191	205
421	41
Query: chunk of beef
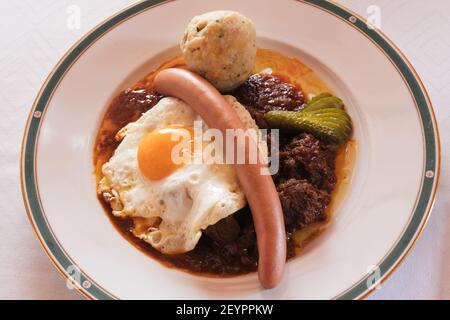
262	93
305	157
302	203
130	104
224	231
226	252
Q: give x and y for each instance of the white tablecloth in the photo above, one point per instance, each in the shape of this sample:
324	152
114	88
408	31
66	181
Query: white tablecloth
34	34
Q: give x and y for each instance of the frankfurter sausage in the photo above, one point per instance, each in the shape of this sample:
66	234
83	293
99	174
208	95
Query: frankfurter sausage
259	189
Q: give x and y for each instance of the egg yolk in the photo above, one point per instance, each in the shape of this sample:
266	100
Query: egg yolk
163	151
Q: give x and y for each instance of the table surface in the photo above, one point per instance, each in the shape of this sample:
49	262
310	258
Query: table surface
34	34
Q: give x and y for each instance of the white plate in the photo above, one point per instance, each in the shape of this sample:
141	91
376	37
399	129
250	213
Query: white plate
385	210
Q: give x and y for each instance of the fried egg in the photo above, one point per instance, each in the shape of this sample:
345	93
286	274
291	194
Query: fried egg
176	200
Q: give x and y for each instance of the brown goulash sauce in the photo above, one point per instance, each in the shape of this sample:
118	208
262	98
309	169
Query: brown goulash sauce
311	179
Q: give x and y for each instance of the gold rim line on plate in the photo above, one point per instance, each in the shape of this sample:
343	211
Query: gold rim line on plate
82	290
432	199
430	204
54	261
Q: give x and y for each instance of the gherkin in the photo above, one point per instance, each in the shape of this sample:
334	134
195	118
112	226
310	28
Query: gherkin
319	96
324	100
324	117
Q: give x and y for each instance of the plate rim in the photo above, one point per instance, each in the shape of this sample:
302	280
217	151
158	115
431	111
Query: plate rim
388	264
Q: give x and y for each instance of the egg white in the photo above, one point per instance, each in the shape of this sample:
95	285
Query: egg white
178	207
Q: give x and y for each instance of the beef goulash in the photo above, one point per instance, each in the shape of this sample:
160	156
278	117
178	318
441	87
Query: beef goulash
224	219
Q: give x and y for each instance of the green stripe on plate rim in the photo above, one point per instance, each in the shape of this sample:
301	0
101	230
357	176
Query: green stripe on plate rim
357	290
